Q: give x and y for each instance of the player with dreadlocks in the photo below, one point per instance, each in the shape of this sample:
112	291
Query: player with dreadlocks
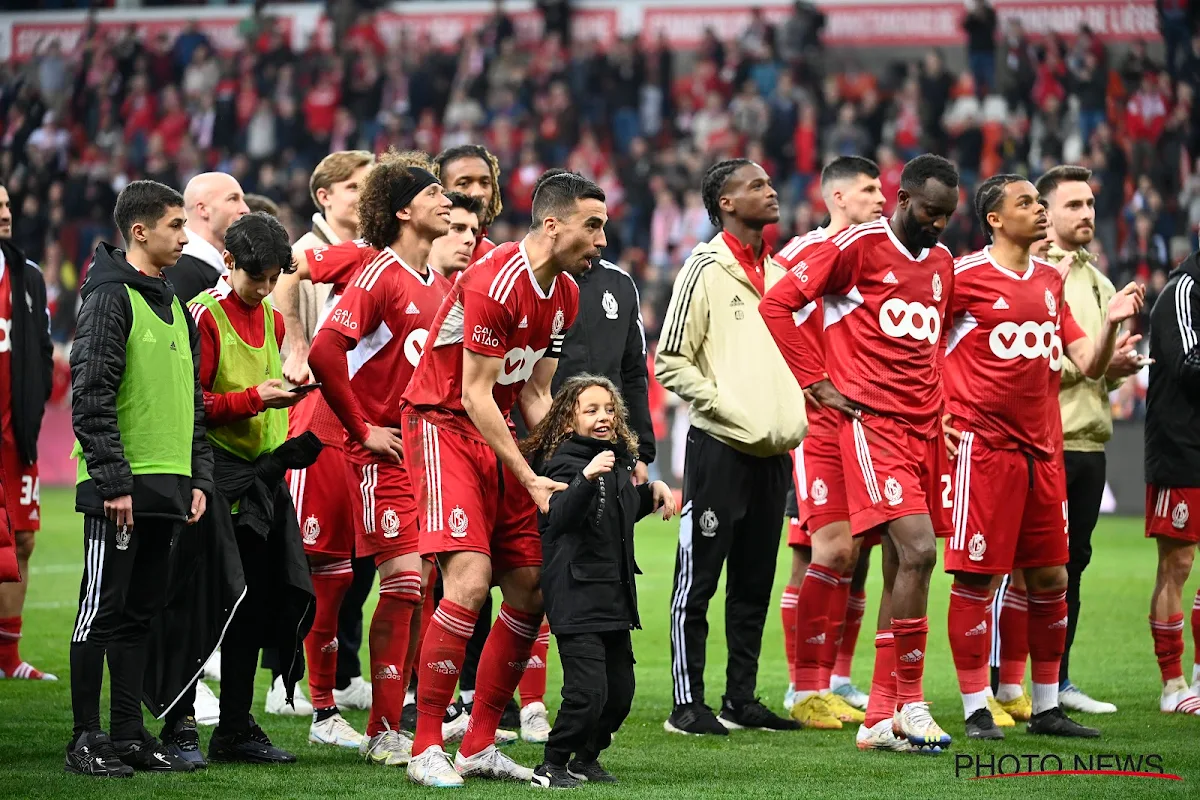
473	171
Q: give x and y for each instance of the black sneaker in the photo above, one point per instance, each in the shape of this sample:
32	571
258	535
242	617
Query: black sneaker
251	746
753	715
184	741
590	772
694	719
549	776
1053	722
981	725
92	753
149	755
511	718
408	718
453	711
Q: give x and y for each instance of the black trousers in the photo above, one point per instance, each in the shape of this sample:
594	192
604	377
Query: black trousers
240	647
1085	490
123	588
350	621
732	511
597	694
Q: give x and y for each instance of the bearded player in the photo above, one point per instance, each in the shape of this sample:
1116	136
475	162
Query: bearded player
1009	333
886	287
821	588
495	343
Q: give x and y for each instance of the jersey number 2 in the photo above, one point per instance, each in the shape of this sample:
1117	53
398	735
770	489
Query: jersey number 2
947	501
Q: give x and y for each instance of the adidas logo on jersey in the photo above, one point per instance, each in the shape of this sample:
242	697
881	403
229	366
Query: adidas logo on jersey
890	277
173	347
1000	305
412	309
735	302
148	337
979	630
444	667
524	323
912	657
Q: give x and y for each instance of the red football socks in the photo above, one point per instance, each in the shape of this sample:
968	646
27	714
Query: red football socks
1014	636
500	667
882	702
391	627
833	631
532	687
787	613
439	664
10	637
911	636
856	606
1168	645
812	624
967	624
330	583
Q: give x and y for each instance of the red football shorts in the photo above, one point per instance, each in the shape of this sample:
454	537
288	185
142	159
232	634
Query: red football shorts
798	534
22	491
891	472
1010	510
1168	513
819	471
321	494
385	510
467	500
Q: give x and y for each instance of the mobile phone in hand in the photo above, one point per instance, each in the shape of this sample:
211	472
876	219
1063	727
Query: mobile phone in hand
306	388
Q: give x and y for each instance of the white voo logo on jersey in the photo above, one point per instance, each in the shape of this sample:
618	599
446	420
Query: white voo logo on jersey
899	318
414	345
518	365
1031	340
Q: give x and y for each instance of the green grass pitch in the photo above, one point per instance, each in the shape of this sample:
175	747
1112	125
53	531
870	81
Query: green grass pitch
1113	659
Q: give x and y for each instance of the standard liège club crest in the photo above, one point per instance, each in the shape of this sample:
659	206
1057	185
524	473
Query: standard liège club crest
708	523
609	302
1051	305
1179	516
976	547
123	536
312	529
557	325
390	522
458	522
937	288
819	492
893	491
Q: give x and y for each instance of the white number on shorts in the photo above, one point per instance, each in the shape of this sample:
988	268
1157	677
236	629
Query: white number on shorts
31	490
947	502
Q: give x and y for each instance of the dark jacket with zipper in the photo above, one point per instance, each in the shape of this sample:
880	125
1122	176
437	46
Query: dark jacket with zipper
190	276
588	562
97	366
1172	428
608	339
32	351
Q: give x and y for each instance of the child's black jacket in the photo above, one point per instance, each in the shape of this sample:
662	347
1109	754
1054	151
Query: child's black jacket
588	566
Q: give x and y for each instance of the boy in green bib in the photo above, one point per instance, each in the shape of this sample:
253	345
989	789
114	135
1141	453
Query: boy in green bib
145	468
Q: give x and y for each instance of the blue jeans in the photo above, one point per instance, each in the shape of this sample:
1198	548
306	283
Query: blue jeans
983	70
1089	120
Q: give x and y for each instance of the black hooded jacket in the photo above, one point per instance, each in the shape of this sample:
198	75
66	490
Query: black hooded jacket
32	351
97	366
1173	397
588	562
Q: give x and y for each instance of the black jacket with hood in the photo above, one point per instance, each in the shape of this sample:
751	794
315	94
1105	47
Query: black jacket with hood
97	366
32	351
588	562
1173	396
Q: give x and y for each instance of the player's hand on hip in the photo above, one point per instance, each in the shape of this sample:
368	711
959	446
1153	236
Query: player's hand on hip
199	506
811	399
953	436
120	510
295	367
385	442
826	395
641	473
273	395
602	463
1127	303
664	499
540	489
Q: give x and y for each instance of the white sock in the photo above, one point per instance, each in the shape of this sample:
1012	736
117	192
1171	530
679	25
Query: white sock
838	681
1045	697
988	691
466	695
972	702
1175	685
791	688
410	697
801	696
1195	673
1011	691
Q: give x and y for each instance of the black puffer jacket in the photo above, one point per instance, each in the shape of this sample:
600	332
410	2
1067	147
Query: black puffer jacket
588	563
97	366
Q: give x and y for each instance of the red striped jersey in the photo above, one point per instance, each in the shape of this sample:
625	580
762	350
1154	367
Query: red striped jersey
1004	352
495	309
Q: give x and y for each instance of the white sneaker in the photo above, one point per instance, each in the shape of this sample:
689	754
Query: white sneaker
913	722
491	763
357	695
1074	700
388	749
434	768
535	723
454	730
208	707
880	737
789	697
212	668
277	701
504	737
853	695
1184	701
335	731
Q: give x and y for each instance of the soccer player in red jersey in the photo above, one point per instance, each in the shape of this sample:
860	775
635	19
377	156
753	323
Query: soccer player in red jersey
495	343
886	286
821	587
471	170
1010	330
364	354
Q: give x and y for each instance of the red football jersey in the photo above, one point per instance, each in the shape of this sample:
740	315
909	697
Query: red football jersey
482	247
495	309
387	311
6	354
810	325
338	263
883	315
1004	352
